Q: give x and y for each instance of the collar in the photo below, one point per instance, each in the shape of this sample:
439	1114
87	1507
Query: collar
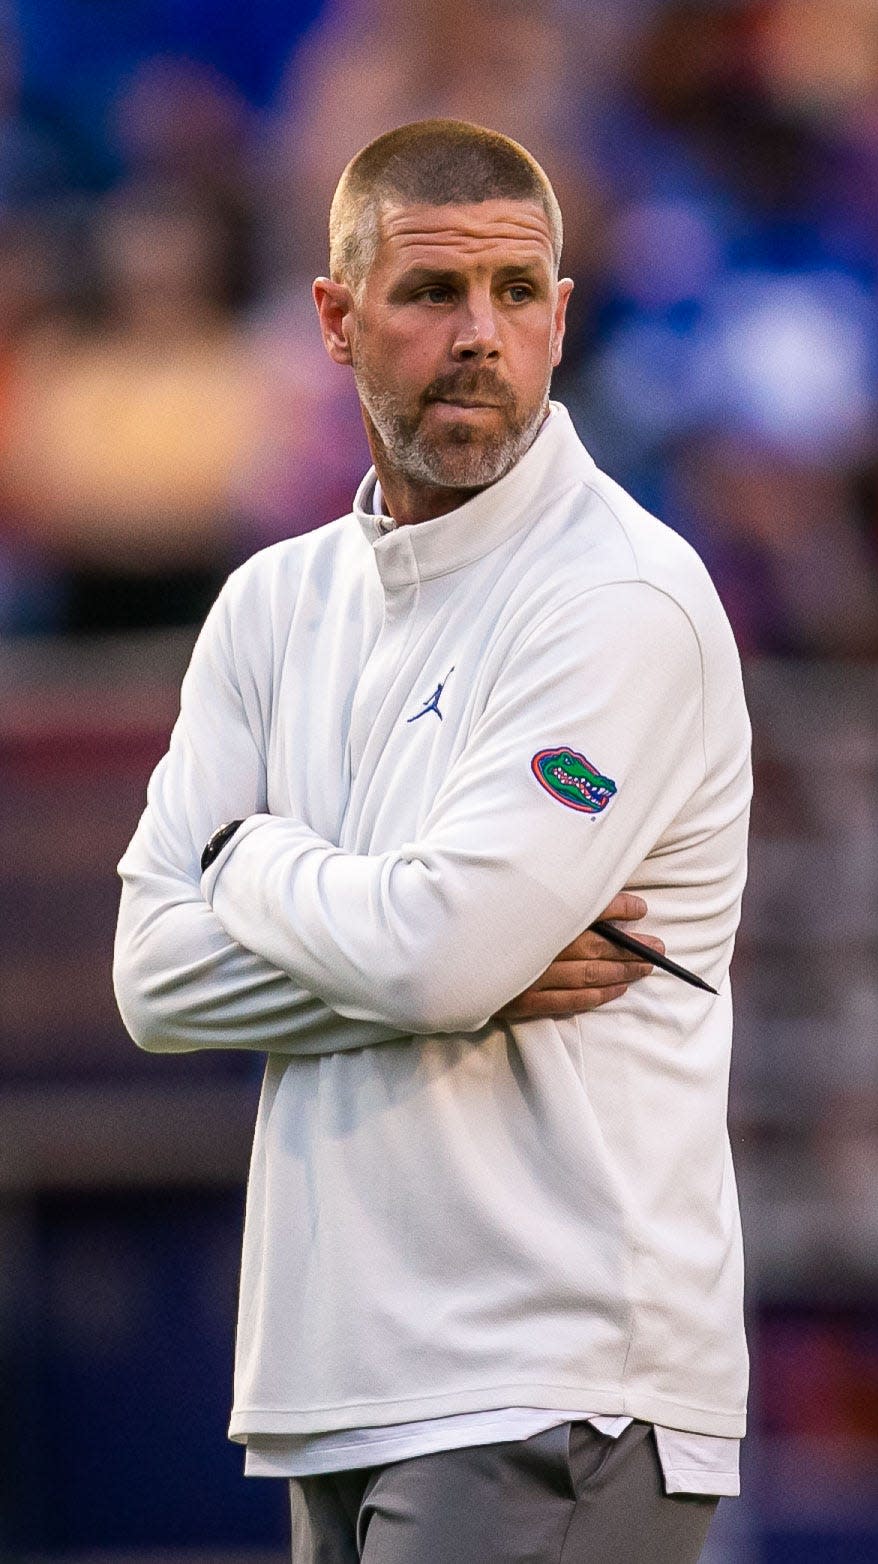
383	522
404	555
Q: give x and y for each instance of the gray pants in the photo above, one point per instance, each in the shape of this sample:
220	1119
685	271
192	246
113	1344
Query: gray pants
568	1496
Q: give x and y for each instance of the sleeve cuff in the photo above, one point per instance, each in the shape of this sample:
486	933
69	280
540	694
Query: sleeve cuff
211	874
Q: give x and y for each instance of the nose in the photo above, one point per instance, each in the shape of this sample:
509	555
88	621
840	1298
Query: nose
477	337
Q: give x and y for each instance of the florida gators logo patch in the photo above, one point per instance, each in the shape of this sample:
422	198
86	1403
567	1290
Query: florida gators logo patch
572	779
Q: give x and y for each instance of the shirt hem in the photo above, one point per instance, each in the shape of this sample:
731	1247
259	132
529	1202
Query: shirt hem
715	1485
647	1408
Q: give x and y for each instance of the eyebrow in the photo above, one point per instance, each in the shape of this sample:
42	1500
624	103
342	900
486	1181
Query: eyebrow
426	276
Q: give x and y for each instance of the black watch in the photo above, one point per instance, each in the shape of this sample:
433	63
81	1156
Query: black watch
217	842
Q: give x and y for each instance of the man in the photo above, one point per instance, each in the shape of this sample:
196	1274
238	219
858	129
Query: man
491	1287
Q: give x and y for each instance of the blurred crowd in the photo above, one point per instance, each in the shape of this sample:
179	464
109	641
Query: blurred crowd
165	403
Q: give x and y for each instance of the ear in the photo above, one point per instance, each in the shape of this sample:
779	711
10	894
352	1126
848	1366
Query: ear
335	309
565	288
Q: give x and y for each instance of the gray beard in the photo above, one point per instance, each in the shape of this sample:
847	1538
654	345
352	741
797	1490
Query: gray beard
465	459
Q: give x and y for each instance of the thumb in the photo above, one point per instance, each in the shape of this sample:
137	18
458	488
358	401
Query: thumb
625	908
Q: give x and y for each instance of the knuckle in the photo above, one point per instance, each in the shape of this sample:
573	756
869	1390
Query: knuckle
614	992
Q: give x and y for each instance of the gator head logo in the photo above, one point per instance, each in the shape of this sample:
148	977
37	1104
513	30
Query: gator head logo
571	778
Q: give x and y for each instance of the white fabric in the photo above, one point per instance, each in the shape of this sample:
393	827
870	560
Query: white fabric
691	1463
286	1456
447	1214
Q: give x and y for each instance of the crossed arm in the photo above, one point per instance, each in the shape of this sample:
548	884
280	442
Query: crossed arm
587	973
285	933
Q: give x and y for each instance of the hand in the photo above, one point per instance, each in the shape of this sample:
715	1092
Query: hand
588	973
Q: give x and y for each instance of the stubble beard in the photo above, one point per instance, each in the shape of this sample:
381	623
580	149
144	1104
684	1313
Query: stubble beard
464	455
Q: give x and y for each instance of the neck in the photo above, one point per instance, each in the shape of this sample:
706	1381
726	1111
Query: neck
408	502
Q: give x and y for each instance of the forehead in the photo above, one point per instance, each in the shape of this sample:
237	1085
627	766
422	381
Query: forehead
473	234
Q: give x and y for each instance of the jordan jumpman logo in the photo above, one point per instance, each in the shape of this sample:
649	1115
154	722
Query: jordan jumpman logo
433	703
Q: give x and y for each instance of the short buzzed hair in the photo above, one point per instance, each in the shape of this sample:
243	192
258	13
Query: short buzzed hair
433	162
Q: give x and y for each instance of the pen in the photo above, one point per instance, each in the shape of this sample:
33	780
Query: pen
616	937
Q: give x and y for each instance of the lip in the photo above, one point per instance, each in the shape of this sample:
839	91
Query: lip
453	401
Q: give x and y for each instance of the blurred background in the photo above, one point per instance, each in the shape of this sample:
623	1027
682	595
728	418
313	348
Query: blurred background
166	408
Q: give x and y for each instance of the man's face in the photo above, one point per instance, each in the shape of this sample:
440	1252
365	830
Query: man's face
454	336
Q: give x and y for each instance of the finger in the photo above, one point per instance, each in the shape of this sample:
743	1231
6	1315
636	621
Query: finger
568	975
535	1006
589	946
652	940
625	908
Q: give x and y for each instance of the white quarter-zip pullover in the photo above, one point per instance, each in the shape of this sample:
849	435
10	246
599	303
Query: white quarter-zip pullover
453	743
691	1463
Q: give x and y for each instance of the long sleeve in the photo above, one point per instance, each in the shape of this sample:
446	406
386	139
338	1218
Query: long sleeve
182	982
508	867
